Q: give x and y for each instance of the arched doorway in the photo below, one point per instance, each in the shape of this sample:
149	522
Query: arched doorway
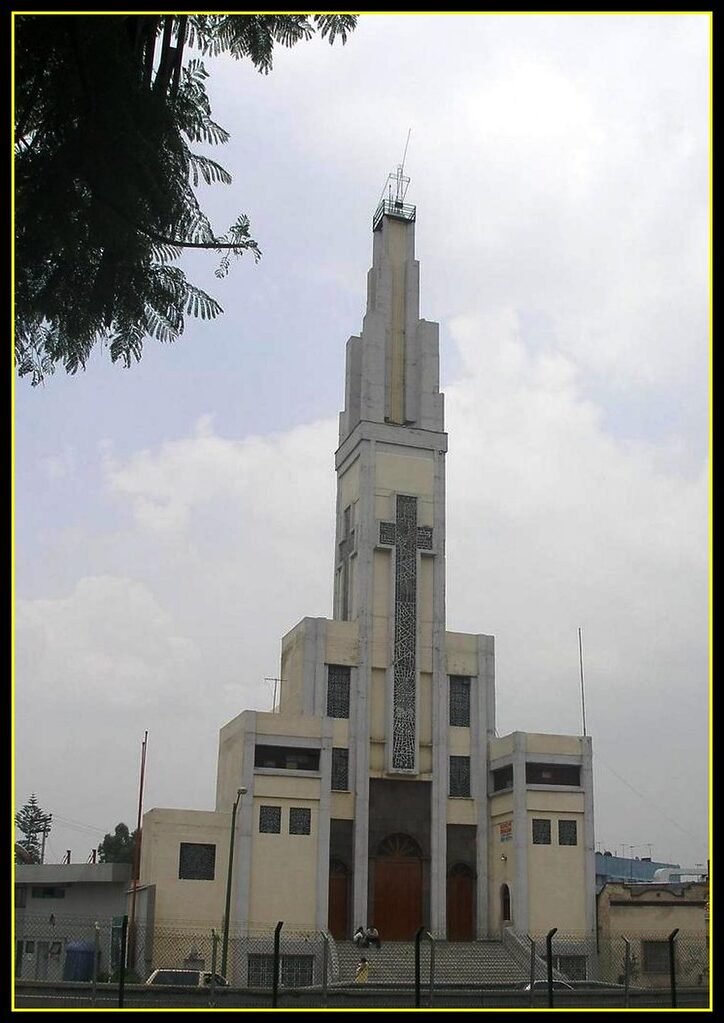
338	899
461	903
398	888
505	916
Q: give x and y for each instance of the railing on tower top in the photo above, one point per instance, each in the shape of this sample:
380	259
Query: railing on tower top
393	208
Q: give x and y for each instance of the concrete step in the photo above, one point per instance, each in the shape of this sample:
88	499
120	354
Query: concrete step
456	962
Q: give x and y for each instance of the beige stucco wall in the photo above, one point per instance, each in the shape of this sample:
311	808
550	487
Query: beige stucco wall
382	568
349	484
500	871
182	903
284	866
229	763
502	747
556	874
291	669
341	642
461	653
288	726
404	471
538	742
650	912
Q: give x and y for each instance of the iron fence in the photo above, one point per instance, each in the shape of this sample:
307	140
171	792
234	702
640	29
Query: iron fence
76	961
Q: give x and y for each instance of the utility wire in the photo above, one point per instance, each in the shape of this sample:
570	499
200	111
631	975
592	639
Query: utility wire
647	799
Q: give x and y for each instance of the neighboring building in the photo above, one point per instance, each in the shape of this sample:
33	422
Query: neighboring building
646	914
378	792
58	904
623	869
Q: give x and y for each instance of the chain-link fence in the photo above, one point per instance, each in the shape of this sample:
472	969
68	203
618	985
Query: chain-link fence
77	961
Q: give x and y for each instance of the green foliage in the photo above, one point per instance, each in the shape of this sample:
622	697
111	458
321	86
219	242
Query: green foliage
106	113
118	847
32	822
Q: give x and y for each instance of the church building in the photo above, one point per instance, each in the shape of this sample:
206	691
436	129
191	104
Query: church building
378	791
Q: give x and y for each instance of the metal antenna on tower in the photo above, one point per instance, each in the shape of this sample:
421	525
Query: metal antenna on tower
398	178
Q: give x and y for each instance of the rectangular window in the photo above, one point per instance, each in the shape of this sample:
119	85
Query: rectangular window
460	701
300	820
503	778
196	861
47	892
459	776
297	970
270	820
338	682
553	774
286	758
567	833
541	832
260	970
21	896
340	768
574	967
655	956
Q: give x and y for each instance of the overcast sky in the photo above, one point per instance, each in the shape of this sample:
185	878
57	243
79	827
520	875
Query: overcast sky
174	520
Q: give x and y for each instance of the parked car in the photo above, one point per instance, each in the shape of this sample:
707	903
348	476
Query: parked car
186	978
542	985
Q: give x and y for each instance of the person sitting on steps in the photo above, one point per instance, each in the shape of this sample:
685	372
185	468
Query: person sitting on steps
360	938
373	937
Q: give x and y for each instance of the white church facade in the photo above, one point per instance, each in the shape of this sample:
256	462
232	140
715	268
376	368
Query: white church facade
378	791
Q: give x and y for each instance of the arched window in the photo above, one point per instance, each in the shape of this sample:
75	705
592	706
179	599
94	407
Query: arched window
505	903
399	847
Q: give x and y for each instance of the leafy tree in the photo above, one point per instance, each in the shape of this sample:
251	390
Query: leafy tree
107	110
32	822
118	847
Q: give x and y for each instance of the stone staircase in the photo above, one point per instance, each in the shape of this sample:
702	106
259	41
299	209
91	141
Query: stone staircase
456	962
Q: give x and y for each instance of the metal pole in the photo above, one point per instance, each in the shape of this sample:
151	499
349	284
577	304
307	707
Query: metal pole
432	968
96	950
136	859
672	965
418	938
212	992
626	972
549	957
275	978
532	970
122	962
325	962
227	910
583	695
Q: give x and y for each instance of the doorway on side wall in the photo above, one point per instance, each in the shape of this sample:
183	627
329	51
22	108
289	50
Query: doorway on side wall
505	914
338	916
461	903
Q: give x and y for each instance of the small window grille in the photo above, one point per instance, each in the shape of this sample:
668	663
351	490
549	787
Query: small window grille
260	970
196	862
655	956
340	768
297	970
270	819
300	820
338	681
541	832
567	833
459	776
460	701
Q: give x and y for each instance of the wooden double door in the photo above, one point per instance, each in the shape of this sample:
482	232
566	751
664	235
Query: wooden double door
398	909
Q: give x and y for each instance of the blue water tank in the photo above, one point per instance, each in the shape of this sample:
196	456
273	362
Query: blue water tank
78	961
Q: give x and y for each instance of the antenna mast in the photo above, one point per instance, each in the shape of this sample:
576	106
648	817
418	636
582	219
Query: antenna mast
583	695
